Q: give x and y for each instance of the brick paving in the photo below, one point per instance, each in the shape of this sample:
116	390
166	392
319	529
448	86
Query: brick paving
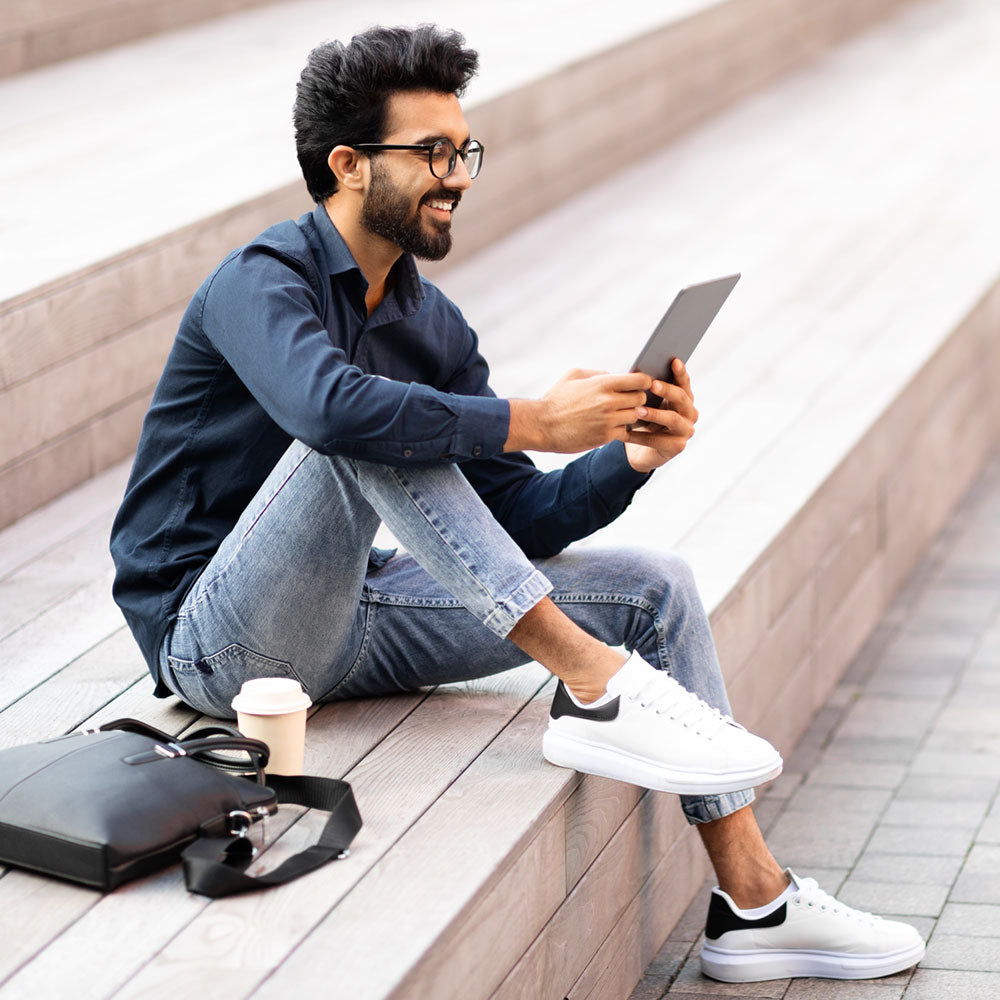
891	799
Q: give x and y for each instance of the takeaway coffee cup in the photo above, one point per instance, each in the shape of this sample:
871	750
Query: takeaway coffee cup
273	709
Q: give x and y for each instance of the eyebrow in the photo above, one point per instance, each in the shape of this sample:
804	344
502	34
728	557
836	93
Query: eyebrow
429	140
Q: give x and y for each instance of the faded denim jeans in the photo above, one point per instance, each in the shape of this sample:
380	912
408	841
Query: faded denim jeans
290	593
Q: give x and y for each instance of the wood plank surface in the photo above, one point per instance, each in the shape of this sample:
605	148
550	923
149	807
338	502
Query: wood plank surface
84	388
477	950
462	847
59	636
574	934
89	944
645	924
65	568
76	692
36	33
236	942
94	502
61	464
595	810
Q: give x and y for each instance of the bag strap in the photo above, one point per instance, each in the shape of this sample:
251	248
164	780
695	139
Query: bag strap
215	866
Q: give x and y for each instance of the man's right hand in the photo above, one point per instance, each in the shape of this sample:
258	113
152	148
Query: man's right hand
583	410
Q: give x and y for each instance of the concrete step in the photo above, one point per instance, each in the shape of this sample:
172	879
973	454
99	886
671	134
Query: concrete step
122	193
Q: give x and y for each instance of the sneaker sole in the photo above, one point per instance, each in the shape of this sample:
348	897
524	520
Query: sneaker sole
563	751
755	967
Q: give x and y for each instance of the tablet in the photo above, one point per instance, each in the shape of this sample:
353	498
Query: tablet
682	327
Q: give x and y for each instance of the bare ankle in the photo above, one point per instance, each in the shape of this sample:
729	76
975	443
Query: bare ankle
586	693
748	895
583	663
589	682
746	869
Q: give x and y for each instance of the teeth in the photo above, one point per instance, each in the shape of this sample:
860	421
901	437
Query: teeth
445	206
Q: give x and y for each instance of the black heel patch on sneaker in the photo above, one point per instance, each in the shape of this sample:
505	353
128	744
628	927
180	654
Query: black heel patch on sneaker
721	919
563	704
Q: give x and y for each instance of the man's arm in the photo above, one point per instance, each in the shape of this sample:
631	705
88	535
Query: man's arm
584	409
545	512
263	317
587	409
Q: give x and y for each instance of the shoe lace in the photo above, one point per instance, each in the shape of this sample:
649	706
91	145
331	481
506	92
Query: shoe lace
665	696
811	895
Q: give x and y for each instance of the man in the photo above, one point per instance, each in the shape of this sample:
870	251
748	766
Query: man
318	386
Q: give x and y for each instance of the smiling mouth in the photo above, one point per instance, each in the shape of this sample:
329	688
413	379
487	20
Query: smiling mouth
443	205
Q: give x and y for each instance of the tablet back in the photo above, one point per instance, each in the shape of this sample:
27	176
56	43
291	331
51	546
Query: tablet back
682	327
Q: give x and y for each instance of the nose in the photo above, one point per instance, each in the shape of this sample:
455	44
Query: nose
459	178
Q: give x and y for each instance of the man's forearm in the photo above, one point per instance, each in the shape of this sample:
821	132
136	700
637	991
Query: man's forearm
582	410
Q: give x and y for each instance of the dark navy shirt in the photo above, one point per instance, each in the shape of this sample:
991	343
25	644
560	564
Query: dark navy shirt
276	345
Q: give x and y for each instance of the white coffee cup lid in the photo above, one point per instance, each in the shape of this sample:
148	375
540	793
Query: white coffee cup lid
271	696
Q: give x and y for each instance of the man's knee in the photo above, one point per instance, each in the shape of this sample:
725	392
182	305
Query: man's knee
662	573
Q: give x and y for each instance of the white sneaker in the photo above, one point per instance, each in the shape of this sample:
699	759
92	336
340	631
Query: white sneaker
650	731
805	932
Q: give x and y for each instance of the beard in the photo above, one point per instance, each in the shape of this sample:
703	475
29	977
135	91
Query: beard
385	212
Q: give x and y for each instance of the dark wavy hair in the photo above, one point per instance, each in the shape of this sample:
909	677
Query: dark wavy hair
343	92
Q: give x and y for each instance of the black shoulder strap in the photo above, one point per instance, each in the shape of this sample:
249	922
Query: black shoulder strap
215	866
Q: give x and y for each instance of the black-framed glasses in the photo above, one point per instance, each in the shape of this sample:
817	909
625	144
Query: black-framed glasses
441	155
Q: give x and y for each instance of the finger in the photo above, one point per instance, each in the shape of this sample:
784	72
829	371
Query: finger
681	377
633	399
626	417
657	418
628	381
665	444
578	373
676	398
666	422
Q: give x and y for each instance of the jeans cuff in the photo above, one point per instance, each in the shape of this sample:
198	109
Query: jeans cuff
506	614
705	808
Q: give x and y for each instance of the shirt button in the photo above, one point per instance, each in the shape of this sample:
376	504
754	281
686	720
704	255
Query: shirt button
477	450
407	453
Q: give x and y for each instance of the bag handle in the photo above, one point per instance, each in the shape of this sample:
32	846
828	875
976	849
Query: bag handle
215	866
200	744
135	726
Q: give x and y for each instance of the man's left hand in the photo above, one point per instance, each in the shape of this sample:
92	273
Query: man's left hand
665	432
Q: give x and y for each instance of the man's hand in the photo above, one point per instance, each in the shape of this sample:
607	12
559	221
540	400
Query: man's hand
665	432
583	410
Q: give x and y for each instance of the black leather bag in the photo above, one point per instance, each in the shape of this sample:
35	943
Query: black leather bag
105	806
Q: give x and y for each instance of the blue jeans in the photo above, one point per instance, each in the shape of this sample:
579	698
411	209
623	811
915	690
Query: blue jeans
290	593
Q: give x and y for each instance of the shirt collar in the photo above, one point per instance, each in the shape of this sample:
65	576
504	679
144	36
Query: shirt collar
408	289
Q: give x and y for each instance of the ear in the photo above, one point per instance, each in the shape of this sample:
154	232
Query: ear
349	167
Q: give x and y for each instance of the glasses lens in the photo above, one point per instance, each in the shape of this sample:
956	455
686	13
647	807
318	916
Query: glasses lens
442	158
473	157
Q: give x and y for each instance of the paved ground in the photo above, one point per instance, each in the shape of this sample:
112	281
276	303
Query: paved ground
891	800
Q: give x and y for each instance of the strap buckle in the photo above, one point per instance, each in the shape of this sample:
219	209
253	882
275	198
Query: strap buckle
240	822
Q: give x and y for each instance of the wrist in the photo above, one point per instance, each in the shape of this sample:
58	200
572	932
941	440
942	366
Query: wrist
639	459
526	426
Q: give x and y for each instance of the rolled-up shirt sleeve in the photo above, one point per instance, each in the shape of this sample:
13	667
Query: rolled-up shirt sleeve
264	318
